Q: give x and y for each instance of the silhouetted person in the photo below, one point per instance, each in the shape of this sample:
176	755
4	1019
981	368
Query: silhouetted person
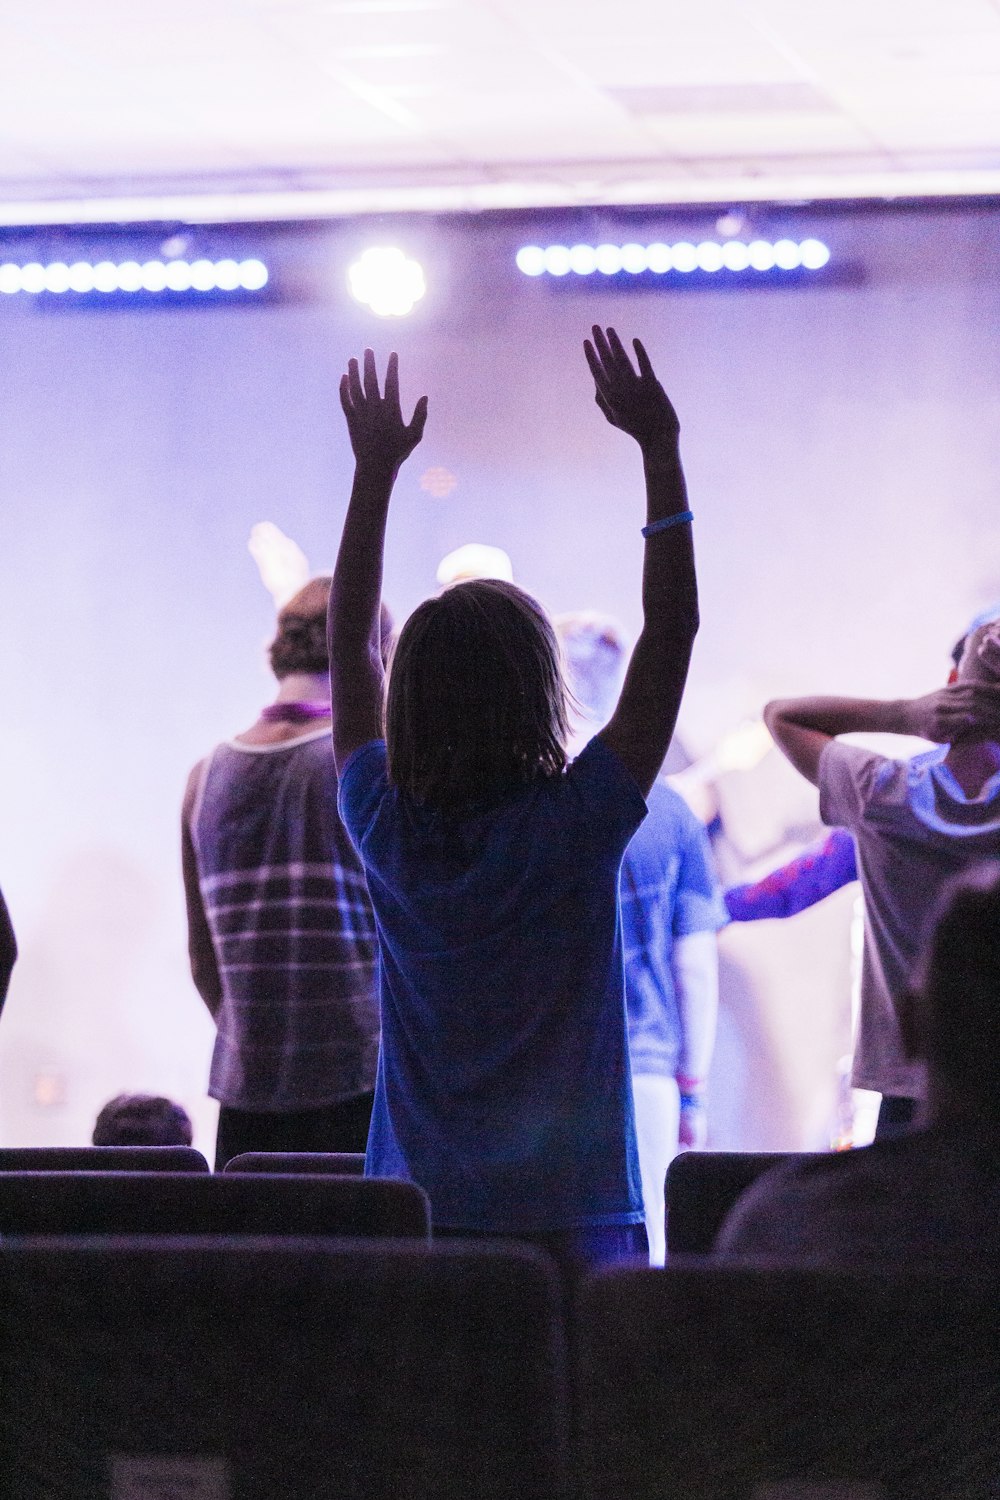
931	1196
143	1120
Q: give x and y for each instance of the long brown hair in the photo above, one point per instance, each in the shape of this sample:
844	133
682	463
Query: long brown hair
476	704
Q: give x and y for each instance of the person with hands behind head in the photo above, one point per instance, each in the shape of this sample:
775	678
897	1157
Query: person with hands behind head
503	1085
917	823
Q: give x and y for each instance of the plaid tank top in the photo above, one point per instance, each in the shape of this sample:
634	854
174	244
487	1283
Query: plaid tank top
287	904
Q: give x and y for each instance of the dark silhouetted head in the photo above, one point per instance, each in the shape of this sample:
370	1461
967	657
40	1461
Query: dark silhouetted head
476	705
300	644
142	1120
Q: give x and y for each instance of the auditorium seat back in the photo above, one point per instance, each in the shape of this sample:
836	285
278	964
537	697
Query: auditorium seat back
101	1159
708	1381
702	1187
241	1370
194	1203
340	1163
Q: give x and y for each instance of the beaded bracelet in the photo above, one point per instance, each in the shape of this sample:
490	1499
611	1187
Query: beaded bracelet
666	522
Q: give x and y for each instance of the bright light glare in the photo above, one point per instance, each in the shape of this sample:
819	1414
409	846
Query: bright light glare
685	257
105	277
387	281
609	259
57	277
203	276
710	256
634	259
177	275
227	275
81	277
33	277
583	259
658	258
531	260
787	256
557	260
814	254
253	275
761	255
130	276
735	255
10	279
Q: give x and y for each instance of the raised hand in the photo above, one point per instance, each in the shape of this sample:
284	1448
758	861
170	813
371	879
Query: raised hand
635	402
963	711
379	436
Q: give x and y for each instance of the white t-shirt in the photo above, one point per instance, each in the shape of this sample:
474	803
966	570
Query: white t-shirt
914	828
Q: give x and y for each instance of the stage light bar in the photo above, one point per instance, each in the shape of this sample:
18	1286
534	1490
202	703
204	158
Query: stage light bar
677	261
151	276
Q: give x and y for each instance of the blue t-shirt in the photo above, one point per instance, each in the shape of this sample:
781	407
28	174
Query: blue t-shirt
503	1083
669	890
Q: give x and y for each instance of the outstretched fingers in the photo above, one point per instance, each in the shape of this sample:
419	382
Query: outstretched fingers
415	430
354	387
371	376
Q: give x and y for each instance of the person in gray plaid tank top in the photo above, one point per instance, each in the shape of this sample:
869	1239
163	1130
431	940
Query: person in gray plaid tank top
280	927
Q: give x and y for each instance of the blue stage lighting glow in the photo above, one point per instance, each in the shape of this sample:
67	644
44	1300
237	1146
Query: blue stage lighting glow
154	276
710	256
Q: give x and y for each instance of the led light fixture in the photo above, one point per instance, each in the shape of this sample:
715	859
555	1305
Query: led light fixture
711	257
152	276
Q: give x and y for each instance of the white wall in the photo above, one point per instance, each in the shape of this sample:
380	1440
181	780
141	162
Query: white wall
843	455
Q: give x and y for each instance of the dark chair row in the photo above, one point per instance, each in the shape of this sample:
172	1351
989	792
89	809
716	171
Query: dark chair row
246	1370
171	1159
161	1203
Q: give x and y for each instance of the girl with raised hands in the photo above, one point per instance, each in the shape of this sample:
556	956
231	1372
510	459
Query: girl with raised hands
503	1084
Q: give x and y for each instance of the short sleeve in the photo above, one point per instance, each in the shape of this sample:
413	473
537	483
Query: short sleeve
847	774
698	901
364	781
611	803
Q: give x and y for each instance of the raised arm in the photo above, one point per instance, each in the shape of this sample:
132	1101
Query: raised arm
803	727
643	721
381	441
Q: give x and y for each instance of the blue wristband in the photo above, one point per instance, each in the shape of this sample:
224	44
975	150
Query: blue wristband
667	522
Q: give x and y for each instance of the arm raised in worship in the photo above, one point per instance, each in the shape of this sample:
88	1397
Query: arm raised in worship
381	442
803	727
634	401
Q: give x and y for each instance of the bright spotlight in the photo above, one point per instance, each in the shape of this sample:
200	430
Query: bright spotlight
814	254
583	260
787	256
227	275
57	277
33	277
129	276
81	277
761	255
531	260
105	277
685	257
203	276
609	259
658	258
710	256
10	279
387	281
557	260
634	259
253	275
177	276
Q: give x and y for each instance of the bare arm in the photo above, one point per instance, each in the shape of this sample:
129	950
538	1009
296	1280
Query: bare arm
8	949
643	721
201	949
803	727
381	441
694	963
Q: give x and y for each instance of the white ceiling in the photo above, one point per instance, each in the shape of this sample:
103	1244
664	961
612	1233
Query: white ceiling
265	108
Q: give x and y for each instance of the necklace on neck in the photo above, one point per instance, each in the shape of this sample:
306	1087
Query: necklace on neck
293	712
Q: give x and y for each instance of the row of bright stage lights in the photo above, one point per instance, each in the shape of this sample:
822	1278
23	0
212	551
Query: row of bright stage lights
710	256
131	276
